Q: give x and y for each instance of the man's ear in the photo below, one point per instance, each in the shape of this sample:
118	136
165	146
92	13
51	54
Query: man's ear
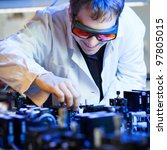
69	14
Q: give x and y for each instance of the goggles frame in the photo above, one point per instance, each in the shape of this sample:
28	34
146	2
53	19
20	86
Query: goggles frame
95	32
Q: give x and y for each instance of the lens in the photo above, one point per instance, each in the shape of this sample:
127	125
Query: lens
106	37
85	34
81	33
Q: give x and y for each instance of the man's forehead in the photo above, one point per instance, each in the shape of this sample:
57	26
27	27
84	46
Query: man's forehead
84	17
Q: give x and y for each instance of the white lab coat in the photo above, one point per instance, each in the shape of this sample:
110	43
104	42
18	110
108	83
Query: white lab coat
46	45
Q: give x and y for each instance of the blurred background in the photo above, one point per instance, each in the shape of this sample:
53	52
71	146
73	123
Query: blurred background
14	14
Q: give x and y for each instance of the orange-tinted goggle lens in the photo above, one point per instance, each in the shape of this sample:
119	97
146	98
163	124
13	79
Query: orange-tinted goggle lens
85	34
81	33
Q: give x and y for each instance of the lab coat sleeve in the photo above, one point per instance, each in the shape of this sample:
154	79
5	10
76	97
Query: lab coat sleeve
22	56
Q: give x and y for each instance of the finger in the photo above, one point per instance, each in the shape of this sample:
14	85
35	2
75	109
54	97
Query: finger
59	93
75	93
67	93
76	87
76	101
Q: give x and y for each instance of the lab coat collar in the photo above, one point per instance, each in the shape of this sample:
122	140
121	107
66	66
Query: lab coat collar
79	59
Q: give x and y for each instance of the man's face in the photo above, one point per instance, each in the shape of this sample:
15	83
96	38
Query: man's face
92	45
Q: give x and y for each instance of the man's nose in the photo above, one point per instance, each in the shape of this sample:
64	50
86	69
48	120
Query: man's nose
92	40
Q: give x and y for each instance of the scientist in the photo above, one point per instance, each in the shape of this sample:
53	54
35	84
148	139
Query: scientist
82	51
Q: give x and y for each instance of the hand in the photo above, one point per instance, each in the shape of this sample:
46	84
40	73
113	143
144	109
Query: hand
63	88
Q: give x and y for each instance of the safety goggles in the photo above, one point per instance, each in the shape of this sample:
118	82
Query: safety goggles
86	32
